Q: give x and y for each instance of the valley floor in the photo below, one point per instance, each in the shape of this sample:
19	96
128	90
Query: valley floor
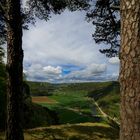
83	111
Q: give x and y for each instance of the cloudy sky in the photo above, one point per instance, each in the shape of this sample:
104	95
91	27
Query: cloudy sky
62	50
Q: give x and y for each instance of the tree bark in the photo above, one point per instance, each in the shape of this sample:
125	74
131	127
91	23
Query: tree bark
14	70
130	70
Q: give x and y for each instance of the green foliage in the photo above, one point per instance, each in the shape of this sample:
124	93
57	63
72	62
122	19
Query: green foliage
2	102
36	115
42	8
2	91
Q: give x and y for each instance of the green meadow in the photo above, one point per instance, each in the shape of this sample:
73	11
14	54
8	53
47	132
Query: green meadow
76	111
75	103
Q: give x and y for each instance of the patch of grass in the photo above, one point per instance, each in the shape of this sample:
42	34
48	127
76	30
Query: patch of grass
83	131
2	135
70	116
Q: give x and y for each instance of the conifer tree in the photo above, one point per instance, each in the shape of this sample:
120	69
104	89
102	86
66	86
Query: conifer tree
13	18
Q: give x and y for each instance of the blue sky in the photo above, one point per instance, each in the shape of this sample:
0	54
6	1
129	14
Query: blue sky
63	50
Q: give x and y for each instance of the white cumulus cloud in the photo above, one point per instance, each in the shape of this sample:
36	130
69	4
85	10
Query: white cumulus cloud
96	68
52	70
114	60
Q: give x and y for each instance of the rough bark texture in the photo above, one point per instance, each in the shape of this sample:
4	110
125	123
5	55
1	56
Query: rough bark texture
14	69
130	70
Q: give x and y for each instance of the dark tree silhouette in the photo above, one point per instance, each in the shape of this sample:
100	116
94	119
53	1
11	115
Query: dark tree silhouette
14	70
105	16
13	18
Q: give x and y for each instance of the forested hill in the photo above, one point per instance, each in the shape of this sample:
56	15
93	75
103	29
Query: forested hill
44	88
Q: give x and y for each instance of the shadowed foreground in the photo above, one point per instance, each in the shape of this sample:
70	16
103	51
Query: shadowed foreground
83	131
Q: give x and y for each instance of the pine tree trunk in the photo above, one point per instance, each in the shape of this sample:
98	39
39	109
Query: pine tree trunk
14	69
130	70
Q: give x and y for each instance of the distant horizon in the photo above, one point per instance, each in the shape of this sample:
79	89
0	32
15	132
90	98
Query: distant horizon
74	82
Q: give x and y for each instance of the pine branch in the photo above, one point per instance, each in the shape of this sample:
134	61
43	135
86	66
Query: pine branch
2	12
114	7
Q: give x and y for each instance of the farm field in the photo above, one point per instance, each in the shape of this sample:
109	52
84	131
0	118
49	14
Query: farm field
43	99
75	103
